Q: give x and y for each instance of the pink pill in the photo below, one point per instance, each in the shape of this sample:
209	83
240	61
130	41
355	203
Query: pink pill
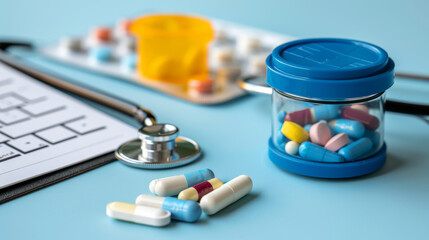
320	133
366	119
336	142
360	107
301	117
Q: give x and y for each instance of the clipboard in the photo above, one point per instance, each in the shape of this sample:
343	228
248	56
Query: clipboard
23	188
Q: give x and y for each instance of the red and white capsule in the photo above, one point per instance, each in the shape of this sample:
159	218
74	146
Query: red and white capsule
195	193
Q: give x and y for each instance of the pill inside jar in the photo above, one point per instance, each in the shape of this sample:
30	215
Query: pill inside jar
328	106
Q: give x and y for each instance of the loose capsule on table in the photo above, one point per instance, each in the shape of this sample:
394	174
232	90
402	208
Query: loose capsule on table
226	194
183	210
195	193
170	186
138	214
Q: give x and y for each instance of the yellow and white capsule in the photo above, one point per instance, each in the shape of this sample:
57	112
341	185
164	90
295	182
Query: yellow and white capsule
139	214
195	193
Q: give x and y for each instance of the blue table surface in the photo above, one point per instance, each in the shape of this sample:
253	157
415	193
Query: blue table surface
389	204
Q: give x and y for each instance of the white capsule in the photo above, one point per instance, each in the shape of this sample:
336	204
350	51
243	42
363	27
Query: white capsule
171	186
292	147
226	194
138	214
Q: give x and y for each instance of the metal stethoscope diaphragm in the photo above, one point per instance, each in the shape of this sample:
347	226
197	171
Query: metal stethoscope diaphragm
159	146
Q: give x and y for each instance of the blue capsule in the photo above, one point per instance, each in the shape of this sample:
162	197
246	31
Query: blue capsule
281	116
101	53
316	153
280	138
353	129
356	149
373	136
325	112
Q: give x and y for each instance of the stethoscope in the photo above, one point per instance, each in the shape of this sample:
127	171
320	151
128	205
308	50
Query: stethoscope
159	145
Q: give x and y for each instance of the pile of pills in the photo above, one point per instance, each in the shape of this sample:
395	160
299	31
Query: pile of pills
105	44
198	186
329	133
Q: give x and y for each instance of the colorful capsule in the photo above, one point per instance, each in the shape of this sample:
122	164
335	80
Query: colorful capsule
196	192
294	132
336	142
313	152
183	210
366	119
352	128
356	149
320	133
301	117
170	186
313	114
138	214
226	194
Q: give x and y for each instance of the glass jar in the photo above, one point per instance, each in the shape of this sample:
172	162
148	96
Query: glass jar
328	107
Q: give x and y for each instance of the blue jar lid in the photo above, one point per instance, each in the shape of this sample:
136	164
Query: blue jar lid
330	68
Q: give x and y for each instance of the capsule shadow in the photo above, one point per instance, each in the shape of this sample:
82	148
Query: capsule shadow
237	205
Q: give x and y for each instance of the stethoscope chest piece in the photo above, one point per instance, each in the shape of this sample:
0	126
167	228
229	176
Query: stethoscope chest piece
158	147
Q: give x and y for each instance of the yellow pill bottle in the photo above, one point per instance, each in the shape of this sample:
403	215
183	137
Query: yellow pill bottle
172	48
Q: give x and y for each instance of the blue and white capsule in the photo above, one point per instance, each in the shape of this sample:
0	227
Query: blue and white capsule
353	129
183	210
356	149
171	186
316	153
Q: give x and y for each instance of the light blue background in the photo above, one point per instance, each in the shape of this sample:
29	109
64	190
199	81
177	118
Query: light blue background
390	204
